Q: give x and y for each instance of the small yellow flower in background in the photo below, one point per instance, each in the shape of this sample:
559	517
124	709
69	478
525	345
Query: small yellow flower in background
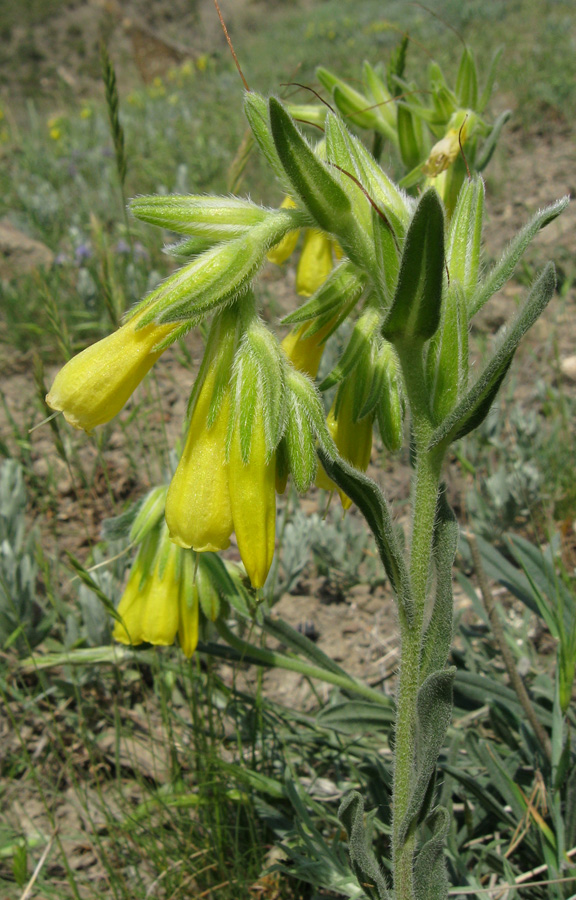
1	113
352	438
202	63
159	604
55	134
253	502
187	68
94	385
85	112
198	511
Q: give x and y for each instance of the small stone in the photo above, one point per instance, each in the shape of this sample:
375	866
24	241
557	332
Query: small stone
19	253
568	367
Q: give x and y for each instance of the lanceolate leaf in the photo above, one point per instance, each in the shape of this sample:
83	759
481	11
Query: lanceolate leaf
366	869
475	405
438	636
318	190
369	499
489	145
513	253
430	875
434	712
415	312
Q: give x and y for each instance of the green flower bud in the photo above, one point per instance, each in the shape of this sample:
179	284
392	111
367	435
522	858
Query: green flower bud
150	512
217	218
447	356
380	97
208	595
464	244
217	275
385	397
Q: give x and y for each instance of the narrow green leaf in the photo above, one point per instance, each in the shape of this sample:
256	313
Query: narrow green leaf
475	405
300	644
489	145
409	138
256	111
357	717
434	710
487	91
364	864
359	343
370	500
415	312
438	635
503	270
467	81
430	875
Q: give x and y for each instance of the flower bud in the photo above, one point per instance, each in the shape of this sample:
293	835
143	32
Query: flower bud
353	437
253	502
95	384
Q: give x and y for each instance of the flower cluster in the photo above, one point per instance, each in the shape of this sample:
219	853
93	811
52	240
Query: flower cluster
409	274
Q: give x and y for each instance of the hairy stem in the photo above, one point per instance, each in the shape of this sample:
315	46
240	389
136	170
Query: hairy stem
424	501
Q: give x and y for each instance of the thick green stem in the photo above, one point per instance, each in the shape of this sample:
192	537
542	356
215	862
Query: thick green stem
424	501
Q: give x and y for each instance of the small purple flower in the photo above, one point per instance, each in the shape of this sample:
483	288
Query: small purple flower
140	251
122	247
82	253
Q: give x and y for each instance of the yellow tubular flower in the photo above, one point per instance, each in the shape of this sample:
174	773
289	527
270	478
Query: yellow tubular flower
188	607
315	262
353	440
253	500
150	612
94	385
304	352
198	511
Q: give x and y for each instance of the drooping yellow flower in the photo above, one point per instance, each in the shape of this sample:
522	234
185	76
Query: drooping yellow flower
161	604
304	352
96	383
253	501
198	511
315	262
352	437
